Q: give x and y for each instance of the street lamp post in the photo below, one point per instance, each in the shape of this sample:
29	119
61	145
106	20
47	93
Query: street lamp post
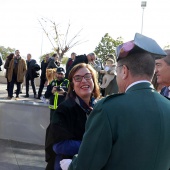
143	5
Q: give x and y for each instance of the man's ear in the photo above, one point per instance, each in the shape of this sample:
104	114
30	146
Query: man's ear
125	72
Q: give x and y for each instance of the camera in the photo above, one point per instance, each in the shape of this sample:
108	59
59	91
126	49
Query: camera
58	88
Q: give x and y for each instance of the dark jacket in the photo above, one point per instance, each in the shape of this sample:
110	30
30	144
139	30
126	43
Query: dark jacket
43	69
53	64
68	123
1	62
129	131
32	69
78	59
69	63
164	92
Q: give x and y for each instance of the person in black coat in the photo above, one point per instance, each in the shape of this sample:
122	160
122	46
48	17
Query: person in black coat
90	58
43	79
53	62
31	74
65	132
1	62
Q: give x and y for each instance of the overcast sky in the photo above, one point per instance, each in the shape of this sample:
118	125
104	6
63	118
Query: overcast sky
20	29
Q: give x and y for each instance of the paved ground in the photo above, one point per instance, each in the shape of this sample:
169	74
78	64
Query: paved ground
17	155
21	156
3	94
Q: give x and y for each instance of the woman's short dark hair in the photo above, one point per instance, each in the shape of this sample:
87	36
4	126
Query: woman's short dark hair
54	55
96	90
10	56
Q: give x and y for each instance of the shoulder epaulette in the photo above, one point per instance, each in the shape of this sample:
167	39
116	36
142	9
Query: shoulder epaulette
112	96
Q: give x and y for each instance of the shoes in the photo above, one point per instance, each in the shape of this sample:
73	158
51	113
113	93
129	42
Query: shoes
26	96
9	98
35	96
17	97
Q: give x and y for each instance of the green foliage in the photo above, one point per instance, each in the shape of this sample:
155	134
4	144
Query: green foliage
6	51
107	47
166	47
64	60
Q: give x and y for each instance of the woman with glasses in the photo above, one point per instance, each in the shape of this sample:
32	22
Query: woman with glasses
68	123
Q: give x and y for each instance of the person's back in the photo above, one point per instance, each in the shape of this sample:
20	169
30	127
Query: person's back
139	134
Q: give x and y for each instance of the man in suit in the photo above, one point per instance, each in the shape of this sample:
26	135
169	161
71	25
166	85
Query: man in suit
130	130
162	72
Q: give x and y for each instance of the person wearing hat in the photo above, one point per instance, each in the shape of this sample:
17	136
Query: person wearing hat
57	90
129	130
162	72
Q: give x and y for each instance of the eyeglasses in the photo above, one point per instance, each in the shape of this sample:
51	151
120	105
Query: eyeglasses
79	78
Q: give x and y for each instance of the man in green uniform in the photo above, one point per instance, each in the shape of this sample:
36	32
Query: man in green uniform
130	130
57	90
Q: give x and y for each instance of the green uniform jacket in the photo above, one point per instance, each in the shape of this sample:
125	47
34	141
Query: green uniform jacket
129	131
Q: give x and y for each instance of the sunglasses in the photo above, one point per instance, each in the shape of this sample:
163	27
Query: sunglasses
79	78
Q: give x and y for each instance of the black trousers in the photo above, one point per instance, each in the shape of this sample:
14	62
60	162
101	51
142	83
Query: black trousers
11	87
27	79
42	82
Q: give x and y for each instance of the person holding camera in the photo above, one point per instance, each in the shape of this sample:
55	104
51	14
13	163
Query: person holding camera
57	90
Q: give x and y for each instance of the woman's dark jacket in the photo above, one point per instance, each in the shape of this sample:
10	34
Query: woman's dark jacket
68	123
44	64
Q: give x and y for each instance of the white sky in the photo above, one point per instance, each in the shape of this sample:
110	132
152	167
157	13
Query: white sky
20	29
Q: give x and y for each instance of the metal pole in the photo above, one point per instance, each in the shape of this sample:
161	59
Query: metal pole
142	20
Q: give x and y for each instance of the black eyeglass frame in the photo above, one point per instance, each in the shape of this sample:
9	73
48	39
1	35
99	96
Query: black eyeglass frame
81	77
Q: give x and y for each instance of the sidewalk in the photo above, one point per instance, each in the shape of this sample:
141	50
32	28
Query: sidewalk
4	94
21	156
16	155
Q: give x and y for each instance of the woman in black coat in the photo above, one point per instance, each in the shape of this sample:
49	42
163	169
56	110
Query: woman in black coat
64	134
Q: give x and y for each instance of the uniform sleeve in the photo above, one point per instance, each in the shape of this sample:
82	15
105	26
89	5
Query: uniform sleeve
97	142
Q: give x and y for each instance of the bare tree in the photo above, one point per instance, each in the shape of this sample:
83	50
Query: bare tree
60	42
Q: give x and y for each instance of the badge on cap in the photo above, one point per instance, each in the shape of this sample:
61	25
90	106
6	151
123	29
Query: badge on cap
140	43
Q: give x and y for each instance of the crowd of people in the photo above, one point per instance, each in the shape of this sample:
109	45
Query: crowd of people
103	116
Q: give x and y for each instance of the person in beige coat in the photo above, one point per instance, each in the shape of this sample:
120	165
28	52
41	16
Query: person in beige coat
16	72
109	73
